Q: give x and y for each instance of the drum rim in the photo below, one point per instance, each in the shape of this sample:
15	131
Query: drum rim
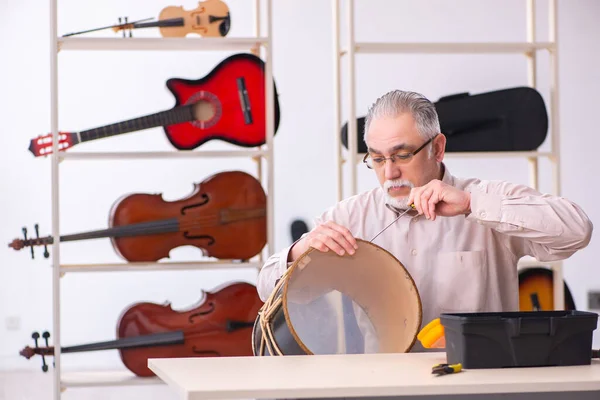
294	265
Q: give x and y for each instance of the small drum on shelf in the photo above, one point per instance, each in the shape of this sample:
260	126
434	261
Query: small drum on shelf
330	304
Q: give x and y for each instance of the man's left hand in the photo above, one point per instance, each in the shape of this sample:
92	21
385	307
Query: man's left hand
438	198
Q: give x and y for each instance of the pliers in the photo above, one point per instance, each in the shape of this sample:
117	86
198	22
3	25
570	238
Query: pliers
444	369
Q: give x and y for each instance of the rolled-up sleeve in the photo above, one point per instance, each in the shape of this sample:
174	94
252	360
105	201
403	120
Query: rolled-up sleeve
547	227
272	270
277	263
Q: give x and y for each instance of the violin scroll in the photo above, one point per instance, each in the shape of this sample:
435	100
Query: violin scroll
19	244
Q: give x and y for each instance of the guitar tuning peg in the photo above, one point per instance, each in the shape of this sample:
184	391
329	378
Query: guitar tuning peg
46	335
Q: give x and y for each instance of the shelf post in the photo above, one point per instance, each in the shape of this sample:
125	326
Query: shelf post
532	81
54	200
352	135
270	125
337	96
557	272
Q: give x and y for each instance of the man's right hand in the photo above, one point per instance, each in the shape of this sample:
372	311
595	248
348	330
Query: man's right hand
325	237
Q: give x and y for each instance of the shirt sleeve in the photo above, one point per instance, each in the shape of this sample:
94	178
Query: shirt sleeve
540	225
277	263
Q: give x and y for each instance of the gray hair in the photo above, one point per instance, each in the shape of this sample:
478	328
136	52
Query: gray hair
396	102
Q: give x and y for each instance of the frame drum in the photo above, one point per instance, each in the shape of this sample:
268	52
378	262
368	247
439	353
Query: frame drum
330	304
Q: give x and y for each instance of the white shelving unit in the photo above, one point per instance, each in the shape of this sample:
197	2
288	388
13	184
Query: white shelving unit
262	155
528	48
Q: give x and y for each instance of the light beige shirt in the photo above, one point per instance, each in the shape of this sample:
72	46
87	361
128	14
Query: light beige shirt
463	263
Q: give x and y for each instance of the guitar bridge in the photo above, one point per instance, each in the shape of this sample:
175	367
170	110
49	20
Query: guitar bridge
244	100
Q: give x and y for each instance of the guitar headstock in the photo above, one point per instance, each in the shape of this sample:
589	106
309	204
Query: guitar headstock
29	352
42	145
19	244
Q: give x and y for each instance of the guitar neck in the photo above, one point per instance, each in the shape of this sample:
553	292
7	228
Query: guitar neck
154	339
174	116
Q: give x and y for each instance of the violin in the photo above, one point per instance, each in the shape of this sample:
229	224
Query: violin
224	216
211	18
220	325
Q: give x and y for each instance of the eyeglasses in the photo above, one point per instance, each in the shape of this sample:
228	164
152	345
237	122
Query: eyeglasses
403	158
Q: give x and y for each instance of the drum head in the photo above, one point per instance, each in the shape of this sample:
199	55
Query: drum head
361	303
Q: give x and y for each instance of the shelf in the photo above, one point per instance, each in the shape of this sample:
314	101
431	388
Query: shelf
482	154
159	154
449	48
106	378
161	44
497	154
158	266
532	262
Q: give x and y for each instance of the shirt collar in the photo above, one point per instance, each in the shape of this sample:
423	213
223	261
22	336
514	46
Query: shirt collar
447	178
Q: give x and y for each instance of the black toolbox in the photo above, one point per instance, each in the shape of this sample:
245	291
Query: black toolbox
519	339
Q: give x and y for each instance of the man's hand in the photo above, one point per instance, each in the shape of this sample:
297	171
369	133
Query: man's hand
325	237
438	198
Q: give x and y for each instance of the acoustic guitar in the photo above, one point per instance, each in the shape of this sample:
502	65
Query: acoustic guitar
536	290
227	104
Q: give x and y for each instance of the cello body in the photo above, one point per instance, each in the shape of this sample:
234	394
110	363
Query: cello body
219	326
225	217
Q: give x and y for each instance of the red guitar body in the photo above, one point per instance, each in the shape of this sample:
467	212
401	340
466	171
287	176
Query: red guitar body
234	86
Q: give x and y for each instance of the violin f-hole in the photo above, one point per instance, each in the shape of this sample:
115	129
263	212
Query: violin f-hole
200	204
200	313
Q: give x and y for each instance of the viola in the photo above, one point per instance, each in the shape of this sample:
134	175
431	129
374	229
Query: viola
224	216
228	104
220	325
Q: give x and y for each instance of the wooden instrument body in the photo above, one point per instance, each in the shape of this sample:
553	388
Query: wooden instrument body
226	214
197	20
219	326
221	90
536	290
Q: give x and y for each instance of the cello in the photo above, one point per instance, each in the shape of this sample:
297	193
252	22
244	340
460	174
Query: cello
220	325
224	216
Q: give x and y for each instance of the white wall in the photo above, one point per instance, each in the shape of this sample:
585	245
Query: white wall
99	88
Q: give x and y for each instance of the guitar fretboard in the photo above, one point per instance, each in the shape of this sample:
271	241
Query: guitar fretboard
164	118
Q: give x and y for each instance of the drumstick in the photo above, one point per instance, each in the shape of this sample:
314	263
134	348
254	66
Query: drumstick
397	218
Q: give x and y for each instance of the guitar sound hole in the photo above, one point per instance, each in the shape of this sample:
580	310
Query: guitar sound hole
207	109
204	111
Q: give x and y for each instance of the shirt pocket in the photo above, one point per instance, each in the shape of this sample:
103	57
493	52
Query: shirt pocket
461	281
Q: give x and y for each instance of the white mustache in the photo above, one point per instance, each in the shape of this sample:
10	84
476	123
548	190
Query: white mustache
397	183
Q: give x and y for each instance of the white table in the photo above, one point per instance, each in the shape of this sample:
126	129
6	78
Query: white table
363	375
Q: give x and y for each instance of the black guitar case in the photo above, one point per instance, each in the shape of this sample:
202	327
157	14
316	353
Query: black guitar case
513	119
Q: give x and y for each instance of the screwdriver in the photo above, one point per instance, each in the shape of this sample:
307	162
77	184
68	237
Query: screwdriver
412	206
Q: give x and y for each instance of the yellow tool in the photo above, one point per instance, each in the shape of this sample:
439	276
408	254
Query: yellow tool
444	369
432	335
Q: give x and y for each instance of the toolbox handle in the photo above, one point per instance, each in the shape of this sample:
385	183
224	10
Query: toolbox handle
532	326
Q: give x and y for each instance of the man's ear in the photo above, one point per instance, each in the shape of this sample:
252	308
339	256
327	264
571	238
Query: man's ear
439	147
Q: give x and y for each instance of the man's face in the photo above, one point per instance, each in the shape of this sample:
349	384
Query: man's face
397	135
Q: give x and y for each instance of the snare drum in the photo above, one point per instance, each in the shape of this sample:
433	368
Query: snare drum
330	304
